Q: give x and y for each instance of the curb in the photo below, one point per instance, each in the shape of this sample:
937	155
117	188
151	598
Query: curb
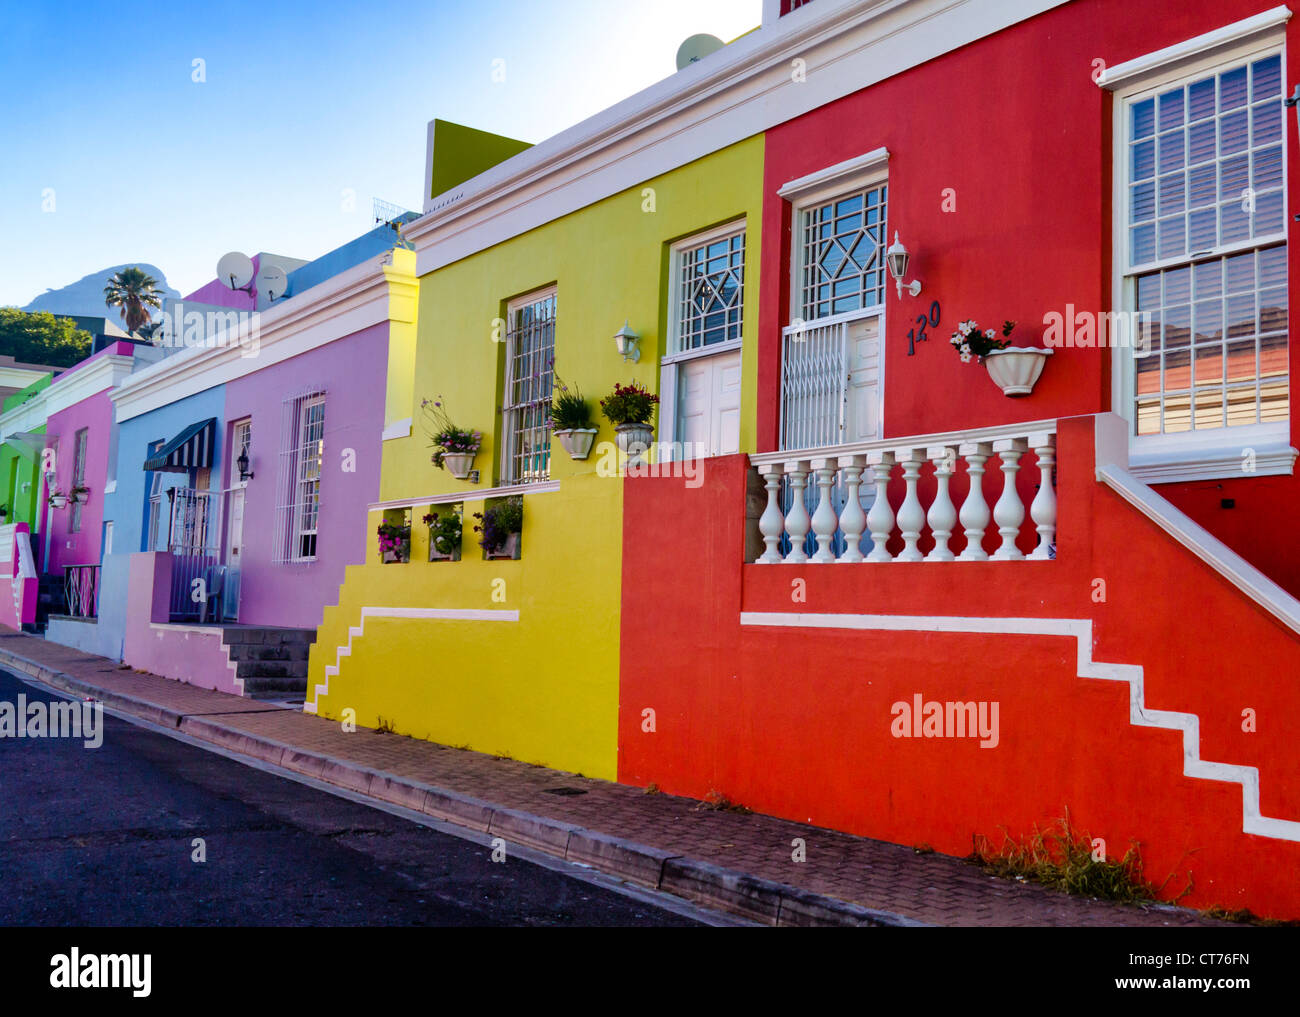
762	900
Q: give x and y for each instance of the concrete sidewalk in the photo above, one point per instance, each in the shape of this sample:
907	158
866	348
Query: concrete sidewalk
736	862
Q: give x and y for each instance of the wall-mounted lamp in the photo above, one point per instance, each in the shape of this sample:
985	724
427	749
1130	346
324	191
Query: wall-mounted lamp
628	343
242	463
897	258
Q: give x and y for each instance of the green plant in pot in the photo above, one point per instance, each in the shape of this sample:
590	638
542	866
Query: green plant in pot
571	420
629	408
444	535
499	527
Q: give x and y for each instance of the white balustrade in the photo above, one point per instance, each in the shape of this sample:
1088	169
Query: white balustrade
863	475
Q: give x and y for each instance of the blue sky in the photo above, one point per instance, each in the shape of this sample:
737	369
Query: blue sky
302	104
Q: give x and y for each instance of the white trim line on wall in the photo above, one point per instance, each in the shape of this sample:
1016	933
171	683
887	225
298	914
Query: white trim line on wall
425	613
1079	629
446	499
397	429
1171	58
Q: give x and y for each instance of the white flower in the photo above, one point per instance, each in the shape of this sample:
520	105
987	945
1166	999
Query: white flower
965	358
965	347
956	339
989	333
964	328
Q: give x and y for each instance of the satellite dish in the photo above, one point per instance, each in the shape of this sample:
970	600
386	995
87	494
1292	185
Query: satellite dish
272	281
235	270
697	47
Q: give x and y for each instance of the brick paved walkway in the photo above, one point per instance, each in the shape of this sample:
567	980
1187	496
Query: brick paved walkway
930	888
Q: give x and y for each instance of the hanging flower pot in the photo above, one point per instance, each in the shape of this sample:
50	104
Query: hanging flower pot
577	441
634	439
1015	369
458	464
58	501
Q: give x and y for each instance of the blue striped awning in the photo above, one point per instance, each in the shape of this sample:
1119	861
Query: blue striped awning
189	450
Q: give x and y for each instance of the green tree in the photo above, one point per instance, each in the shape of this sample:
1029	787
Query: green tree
134	291
38	337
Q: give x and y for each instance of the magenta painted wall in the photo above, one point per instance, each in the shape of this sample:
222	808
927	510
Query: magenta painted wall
353	374
95	413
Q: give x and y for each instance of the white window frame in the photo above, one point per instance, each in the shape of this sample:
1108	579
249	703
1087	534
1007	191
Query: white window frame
509	410
80	451
674	356
1217	453
294	452
237	447
812	191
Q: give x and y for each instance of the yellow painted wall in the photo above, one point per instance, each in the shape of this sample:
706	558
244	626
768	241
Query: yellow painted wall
545	688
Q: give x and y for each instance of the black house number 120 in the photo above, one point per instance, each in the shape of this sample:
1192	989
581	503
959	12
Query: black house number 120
917	334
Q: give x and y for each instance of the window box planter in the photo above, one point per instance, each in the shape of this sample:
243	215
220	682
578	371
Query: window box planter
394	542
577	441
445	529
509	551
1016	369
499	526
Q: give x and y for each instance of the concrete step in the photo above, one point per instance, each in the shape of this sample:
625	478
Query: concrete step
233	635
269	651
275	688
271	669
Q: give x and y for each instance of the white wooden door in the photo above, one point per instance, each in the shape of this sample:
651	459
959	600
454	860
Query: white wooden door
234	553
708	418
862	409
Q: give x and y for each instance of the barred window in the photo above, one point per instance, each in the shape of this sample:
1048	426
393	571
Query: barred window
78	477
1205	239
841	253
526	411
709	298
298	478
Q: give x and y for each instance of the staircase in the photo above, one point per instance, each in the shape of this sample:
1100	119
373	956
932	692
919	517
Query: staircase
50	599
271	662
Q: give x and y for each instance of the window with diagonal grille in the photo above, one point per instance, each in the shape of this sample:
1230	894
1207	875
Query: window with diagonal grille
710	292
841	255
526	410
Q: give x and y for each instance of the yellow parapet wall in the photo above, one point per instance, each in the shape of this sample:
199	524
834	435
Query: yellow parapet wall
521	658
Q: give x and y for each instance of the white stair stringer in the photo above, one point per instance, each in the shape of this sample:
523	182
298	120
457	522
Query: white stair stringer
434	613
1140	715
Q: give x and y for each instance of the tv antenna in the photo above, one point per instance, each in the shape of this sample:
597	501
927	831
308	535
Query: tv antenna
394	217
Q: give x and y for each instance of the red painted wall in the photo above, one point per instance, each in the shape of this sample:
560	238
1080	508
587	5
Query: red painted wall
796	723
1015	126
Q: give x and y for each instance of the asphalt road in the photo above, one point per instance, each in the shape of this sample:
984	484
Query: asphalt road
93	837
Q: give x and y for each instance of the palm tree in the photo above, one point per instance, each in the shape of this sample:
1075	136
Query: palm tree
134	291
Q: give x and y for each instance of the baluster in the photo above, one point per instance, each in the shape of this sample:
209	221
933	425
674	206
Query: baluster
772	522
911	516
852	520
1009	512
880	520
942	516
1043	509
797	520
824	521
975	510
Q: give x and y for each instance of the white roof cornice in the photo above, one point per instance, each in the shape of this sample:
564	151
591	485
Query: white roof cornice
742	90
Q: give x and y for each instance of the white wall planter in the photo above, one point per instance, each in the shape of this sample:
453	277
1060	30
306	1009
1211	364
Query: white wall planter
577	441
458	464
634	439
1015	370
58	501
508	550
436	555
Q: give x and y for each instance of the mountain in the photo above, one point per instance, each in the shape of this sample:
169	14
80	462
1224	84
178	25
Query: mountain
86	296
